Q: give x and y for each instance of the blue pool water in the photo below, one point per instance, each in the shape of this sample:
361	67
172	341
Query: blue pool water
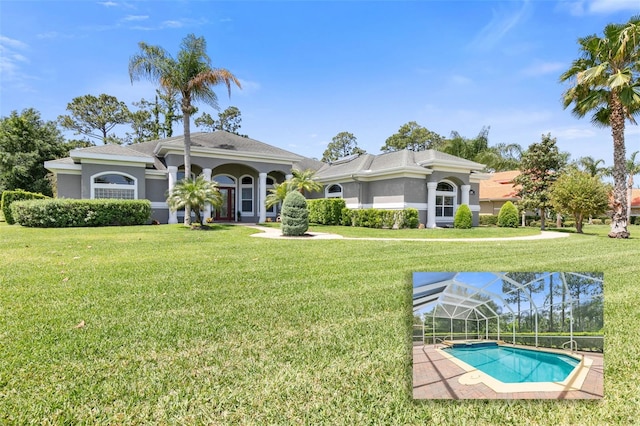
515	365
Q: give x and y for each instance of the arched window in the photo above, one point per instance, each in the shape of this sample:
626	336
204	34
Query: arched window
114	185
333	191
246	195
446	200
225	180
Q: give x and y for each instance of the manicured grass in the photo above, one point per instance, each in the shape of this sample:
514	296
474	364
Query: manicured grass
193	327
440	233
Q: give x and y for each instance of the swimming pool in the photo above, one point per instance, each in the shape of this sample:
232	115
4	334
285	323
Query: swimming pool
516	365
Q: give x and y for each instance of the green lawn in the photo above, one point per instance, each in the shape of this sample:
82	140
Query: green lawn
478	232
216	327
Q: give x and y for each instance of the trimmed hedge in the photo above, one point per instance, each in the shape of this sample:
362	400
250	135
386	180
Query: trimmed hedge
508	216
326	211
295	215
9	197
64	213
379	218
488	219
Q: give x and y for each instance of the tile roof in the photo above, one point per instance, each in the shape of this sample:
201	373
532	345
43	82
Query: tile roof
499	186
635	198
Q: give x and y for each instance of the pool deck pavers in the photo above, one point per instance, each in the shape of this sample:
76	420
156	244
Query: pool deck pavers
436	377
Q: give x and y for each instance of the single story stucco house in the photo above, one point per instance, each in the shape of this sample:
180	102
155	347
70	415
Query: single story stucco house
432	182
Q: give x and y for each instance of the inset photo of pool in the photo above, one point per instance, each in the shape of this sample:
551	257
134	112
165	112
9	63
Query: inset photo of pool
508	335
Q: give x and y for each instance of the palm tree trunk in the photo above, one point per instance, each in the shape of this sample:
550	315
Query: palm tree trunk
186	121
629	196
619	218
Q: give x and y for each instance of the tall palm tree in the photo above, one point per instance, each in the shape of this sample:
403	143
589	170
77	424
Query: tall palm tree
190	74
303	181
195	194
606	82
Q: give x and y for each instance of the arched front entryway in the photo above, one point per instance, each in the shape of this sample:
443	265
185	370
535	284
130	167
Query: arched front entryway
443	198
227	210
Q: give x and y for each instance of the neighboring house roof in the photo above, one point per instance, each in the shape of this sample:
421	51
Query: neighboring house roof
635	198
499	186
405	161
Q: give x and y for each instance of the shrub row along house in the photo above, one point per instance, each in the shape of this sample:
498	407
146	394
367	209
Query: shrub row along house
432	182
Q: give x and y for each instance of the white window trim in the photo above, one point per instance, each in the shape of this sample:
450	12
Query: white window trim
274	208
94	185
253	194
328	194
454	193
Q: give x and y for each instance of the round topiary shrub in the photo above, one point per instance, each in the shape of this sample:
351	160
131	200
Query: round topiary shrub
463	218
295	215
508	216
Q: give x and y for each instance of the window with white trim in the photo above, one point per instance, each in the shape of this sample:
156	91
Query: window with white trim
114	185
246	195
446	197
333	191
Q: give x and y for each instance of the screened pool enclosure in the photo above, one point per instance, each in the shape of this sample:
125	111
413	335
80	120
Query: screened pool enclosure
547	309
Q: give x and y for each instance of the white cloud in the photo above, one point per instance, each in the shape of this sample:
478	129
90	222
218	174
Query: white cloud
6	42
501	23
130	18
248	87
108	3
543	68
172	24
572	133
11	59
594	7
612	6
460	80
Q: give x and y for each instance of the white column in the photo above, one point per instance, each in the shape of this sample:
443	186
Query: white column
464	189
431	204
173	177
207	208
262	195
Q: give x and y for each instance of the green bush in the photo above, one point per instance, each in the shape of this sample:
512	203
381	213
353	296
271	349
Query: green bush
488	219
346	218
508	216
379	218
326	211
463	218
294	215
63	213
9	197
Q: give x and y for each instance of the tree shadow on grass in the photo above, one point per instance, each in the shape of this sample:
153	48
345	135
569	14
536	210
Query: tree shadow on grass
206	227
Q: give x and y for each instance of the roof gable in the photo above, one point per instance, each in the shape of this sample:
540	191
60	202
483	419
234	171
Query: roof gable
403	161
225	143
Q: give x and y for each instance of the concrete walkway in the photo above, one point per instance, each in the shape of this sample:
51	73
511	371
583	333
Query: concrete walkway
277	234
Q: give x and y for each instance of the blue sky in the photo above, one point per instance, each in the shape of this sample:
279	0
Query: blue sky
310	70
